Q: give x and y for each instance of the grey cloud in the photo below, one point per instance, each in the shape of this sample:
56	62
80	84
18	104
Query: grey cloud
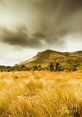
2	2
58	18
53	20
19	37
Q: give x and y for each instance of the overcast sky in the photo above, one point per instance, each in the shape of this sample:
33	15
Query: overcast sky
29	26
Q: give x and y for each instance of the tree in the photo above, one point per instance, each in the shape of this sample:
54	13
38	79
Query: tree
39	68
57	67
51	67
34	68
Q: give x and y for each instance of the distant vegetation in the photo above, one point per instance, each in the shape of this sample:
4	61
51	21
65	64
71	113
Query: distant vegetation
70	65
14	68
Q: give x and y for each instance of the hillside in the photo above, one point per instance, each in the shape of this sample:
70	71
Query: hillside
66	60
49	60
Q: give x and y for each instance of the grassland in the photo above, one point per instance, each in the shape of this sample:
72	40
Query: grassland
41	94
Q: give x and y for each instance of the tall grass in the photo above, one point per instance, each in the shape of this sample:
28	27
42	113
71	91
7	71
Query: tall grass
41	94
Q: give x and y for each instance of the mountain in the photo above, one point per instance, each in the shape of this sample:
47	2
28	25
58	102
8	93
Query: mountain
49	60
47	57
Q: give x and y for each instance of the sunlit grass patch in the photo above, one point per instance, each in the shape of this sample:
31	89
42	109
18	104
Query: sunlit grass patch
41	94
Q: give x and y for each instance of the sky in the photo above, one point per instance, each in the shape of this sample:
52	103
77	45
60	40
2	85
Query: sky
30	26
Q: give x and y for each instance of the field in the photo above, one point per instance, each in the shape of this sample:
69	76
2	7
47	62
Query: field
41	94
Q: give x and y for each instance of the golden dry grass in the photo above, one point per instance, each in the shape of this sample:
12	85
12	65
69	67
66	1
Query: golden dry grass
41	94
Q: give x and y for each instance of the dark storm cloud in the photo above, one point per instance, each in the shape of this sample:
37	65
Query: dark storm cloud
61	18
57	19
19	37
54	19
